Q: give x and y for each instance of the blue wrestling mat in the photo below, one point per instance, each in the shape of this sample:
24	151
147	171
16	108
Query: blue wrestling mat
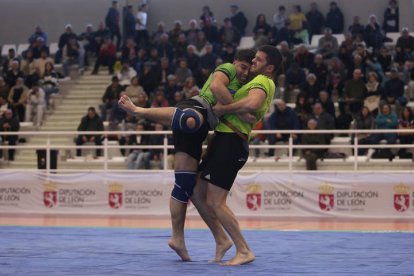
126	251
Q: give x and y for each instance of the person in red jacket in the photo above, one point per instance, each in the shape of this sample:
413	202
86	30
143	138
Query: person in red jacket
106	56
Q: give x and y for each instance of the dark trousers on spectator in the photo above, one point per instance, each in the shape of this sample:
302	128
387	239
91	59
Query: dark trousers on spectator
12	139
98	142
105	61
115	32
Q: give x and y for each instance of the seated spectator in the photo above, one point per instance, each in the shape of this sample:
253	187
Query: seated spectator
326	102
183	72
171	87
386	119
228	34
287	57
139	158
201	42
188	87
4	105
164	70
173	35
404	47
36	105
178	97
323	118
343	121
312	88
44	58
295	79
191	33
134	90
180	48
126	74
393	92
117	117
364	120
319	68
70	55
37	47
165	48
148	78
18	96
311	155
298	26
354	93
9	123
27	65
38	33
328	44
90	122
110	96
89	42
303	57
4	88
160	100
283	118
13	74
384	59
335	87
262	28
406	121
106	56
373	93
64	40
7	61
210	31
302	108
50	82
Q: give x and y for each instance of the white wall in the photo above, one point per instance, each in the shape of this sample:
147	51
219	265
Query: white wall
18	17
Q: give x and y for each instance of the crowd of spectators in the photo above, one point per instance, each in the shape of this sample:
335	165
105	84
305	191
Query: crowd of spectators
335	86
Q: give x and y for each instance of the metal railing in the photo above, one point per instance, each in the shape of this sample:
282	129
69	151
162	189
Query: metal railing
290	146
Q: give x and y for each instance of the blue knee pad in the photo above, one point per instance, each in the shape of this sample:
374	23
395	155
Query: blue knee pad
179	120
184	186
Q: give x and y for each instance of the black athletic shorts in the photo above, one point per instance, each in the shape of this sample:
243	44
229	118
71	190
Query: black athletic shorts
226	155
191	143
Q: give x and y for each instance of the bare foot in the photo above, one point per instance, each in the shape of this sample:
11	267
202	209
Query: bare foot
221	250
180	249
241	258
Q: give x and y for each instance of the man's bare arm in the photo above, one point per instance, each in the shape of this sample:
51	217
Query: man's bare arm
248	104
218	86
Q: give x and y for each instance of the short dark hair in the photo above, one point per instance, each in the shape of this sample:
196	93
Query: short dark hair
273	56
92	109
245	55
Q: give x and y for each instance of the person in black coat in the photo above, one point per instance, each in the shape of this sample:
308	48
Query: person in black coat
335	19
90	122
9	123
238	19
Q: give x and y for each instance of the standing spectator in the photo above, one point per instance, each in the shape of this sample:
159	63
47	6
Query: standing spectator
280	19
110	97
90	122
335	19
315	20
112	23
207	15
18	98
298	26
311	155
129	23
356	28
106	56
9	123
238	19
283	118
36	105
141	32
391	22
373	36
